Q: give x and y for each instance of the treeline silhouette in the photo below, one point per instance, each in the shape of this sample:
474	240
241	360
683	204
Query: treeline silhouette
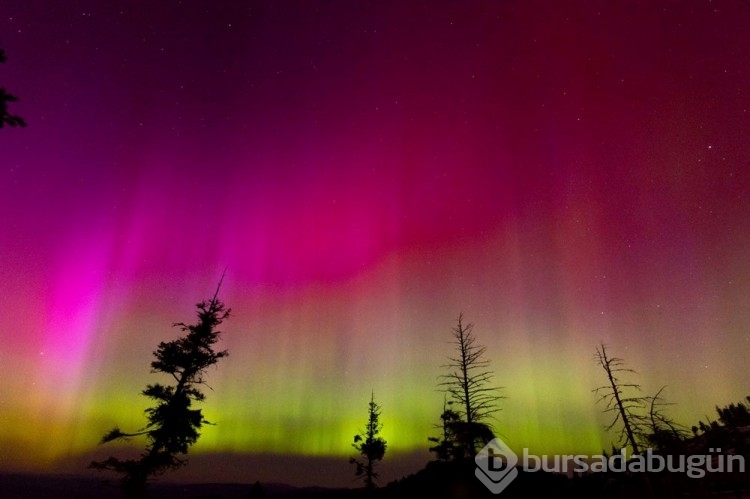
465	426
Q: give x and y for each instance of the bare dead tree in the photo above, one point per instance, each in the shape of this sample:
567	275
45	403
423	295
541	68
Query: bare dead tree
469	384
663	432
622	400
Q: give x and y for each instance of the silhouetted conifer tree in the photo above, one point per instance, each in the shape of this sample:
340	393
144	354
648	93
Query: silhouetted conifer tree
173	424
446	446
369	445
735	415
732	430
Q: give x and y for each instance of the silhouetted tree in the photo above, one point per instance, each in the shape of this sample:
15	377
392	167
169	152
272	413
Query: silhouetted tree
173	425
446	446
628	409
735	415
468	384
730	432
5	117
256	492
664	434
369	445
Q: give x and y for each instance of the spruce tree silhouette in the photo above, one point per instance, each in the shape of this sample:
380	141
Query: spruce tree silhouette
369	445
5	117
173	425
468	385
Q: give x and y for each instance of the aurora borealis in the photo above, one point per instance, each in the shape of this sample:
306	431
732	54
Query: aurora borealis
563	173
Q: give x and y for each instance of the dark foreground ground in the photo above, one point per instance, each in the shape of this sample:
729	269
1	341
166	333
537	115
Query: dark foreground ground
437	481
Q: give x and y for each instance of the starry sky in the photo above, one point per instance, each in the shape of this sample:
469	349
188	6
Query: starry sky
563	173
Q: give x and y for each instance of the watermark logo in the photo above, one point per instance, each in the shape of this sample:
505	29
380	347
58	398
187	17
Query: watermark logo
496	465
694	465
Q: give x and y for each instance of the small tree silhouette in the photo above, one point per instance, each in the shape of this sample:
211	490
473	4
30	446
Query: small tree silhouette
5	117
173	425
369	445
446	446
468	385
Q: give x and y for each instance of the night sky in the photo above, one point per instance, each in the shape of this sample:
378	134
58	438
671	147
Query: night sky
563	173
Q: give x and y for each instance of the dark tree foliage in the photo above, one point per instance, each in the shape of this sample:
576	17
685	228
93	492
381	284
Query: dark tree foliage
735	415
468	385
5	98
369	445
173	424
446	446
730	432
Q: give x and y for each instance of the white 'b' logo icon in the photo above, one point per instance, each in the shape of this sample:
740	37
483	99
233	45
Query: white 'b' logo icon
496	465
